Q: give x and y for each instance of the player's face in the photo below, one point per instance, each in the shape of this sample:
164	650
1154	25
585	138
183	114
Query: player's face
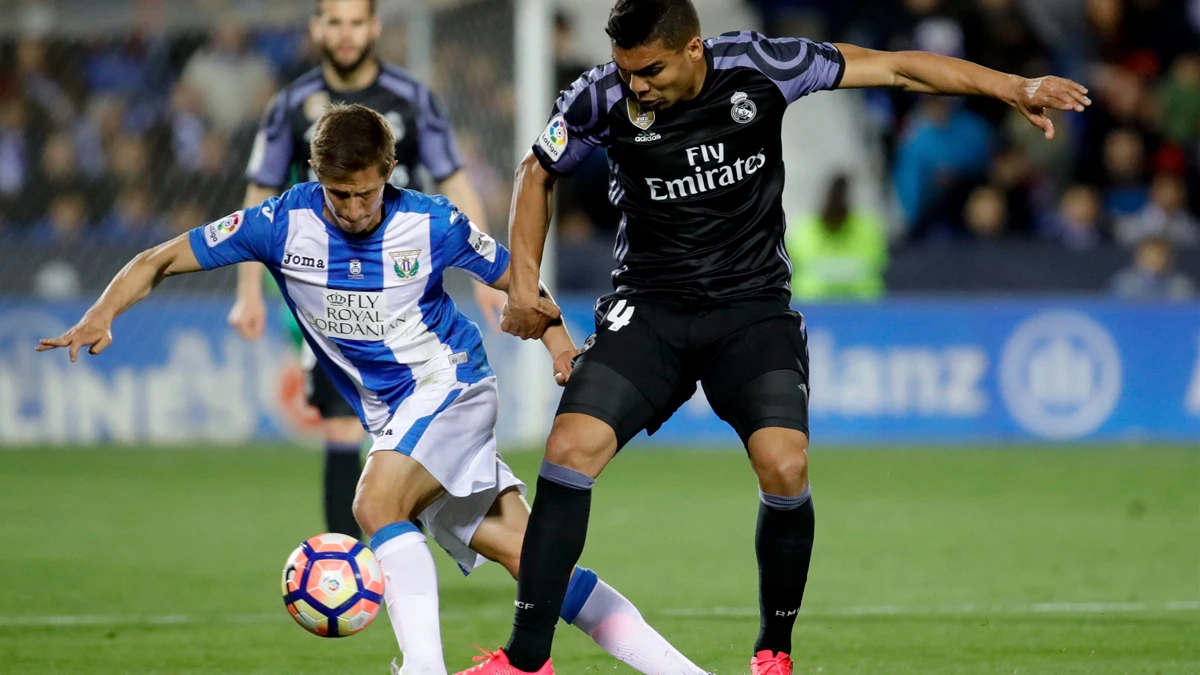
661	77
345	31
355	201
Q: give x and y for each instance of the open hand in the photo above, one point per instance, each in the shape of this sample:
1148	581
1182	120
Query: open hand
1033	96
87	333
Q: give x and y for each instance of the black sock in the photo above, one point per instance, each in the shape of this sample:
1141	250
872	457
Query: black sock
553	543
343	466
784	543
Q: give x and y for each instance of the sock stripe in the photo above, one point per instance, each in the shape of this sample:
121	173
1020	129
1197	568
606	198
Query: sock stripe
565	477
390	532
583	582
786	503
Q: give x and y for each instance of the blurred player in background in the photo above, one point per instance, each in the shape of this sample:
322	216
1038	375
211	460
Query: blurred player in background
360	264
692	129
345	31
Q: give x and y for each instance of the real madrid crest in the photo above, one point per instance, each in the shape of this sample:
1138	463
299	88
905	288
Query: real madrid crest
641	119
743	109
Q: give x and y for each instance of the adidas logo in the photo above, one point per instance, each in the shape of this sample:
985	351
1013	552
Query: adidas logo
647	137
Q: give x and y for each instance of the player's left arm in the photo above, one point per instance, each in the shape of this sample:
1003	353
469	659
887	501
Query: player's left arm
458	189
556	338
926	73
131	285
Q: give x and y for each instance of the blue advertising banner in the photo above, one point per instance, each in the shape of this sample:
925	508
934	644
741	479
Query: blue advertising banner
899	371
175	373
985	370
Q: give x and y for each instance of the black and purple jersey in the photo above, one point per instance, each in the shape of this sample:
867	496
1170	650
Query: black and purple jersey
423	136
700	184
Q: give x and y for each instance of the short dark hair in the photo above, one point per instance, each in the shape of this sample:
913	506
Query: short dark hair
349	138
633	23
321	6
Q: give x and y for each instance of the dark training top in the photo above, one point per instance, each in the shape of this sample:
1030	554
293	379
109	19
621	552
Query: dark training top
423	136
700	184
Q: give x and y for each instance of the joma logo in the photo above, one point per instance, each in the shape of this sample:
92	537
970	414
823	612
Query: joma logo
303	261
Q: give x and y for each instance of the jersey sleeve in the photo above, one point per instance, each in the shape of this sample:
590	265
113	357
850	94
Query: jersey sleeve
474	251
242	236
436	144
798	66
574	130
271	154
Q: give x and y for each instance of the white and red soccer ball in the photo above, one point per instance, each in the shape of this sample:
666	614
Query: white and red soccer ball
332	585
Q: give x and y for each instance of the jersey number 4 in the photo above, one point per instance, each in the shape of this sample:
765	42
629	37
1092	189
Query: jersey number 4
619	316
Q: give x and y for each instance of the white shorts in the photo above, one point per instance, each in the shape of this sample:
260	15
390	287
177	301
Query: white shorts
449	427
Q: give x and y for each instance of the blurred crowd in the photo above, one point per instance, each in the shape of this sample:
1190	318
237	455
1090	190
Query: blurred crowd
1124	173
130	138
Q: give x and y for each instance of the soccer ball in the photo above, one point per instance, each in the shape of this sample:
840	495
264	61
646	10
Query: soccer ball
332	585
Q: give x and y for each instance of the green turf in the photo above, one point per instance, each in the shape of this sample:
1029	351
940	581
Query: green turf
964	547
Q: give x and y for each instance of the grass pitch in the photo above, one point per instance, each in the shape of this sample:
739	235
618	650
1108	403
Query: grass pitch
1033	560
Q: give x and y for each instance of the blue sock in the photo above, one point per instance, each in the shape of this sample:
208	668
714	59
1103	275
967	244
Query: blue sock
583	582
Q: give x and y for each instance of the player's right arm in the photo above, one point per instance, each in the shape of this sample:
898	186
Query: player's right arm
239	237
571	135
269	163
133	283
530	221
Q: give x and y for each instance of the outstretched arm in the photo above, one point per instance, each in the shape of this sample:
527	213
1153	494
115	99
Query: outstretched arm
926	73
133	283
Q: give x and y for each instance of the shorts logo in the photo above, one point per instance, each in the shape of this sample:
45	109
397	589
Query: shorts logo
588	344
1060	375
406	264
553	140
641	119
219	231
743	110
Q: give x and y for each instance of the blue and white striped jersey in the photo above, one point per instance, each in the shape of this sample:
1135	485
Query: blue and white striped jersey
373	308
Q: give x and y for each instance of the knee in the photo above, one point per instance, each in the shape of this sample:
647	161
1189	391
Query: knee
573	450
367	514
373	513
784	472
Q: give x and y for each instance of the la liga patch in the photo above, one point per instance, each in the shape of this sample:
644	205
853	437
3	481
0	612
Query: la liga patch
553	140
220	230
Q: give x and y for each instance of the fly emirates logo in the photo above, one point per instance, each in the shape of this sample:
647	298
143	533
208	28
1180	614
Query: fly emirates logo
710	172
350	315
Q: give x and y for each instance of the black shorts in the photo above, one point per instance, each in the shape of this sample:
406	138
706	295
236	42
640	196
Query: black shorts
645	358
324	396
